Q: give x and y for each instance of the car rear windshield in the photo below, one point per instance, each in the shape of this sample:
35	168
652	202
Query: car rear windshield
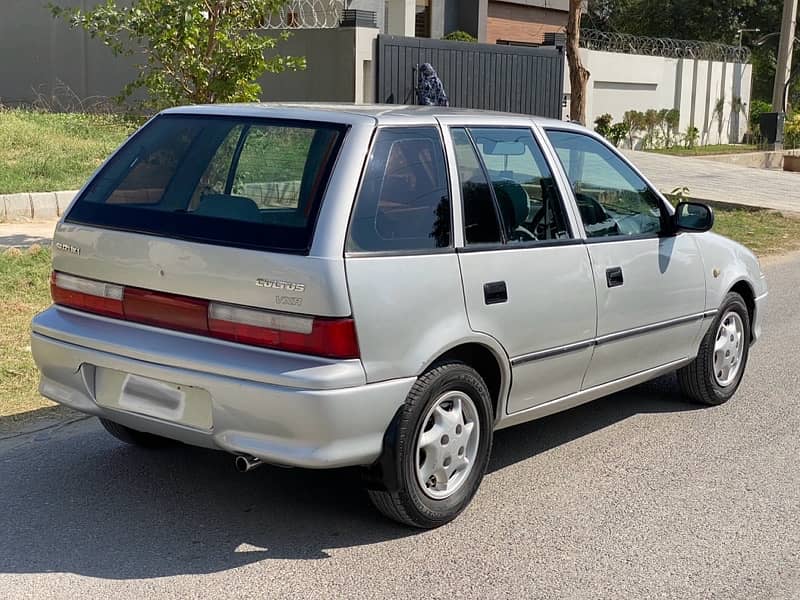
251	183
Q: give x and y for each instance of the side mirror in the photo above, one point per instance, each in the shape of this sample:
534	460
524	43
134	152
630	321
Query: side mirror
693	216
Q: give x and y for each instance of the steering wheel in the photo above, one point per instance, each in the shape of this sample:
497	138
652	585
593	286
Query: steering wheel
522	234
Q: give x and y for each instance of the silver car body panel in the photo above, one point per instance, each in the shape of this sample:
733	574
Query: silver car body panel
557	343
537	316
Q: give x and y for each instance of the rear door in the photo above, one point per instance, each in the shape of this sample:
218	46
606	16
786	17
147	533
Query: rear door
527	278
219	207
650	283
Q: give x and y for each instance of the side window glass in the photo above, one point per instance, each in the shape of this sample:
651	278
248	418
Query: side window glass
530	205
612	199
480	216
404	200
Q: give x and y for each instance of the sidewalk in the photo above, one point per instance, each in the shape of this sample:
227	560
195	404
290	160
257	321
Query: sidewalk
721	182
26	234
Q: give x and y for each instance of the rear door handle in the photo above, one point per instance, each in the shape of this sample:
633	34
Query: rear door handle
495	292
614	277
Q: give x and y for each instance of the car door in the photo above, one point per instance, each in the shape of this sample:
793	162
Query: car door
527	278
650	283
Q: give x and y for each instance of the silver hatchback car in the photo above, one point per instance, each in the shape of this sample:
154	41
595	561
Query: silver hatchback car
384	287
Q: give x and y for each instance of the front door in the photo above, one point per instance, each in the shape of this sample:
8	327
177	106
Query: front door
527	279
650	284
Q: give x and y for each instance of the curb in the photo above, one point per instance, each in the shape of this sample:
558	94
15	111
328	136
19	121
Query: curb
35	205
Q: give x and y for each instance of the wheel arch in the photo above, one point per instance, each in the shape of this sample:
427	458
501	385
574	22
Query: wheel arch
491	363
745	290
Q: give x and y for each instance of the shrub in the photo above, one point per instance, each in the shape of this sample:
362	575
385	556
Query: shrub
757	108
619	131
692	137
460	36
602	124
791	132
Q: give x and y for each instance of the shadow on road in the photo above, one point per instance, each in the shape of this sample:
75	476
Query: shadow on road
75	500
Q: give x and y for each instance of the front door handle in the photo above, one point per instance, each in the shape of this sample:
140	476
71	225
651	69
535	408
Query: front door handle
495	292
614	277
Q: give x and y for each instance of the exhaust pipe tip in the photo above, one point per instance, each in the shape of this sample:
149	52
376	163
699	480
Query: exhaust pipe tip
244	463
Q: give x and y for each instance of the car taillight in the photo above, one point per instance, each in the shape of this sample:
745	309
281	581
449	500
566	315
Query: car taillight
86	294
327	337
333	338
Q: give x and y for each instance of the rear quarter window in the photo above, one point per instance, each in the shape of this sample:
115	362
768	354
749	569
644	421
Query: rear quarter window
404	200
255	183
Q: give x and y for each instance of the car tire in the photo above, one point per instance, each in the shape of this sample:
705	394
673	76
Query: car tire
447	418
710	378
133	437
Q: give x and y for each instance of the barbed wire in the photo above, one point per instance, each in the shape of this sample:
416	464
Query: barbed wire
307	14
593	39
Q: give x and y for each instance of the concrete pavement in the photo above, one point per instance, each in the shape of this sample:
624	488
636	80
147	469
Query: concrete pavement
639	495
26	234
721	182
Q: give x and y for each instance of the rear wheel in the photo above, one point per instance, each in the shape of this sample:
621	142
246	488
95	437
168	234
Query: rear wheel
714	376
133	437
441	449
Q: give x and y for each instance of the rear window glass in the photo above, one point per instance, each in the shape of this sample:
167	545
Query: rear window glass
404	200
253	183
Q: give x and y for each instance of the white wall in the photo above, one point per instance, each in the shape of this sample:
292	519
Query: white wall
623	82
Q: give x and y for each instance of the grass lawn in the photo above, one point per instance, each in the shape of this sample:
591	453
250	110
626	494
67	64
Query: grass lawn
708	150
48	152
24	291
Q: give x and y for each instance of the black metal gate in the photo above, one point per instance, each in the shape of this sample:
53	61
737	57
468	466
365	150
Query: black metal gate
513	79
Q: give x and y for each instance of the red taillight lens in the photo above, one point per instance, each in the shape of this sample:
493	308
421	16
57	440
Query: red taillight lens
331	338
86	294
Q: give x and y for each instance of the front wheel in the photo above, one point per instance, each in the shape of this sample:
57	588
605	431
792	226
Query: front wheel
441	450
715	374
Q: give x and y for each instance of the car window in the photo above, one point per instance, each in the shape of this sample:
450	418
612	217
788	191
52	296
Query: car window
612	199
481	224
255	183
522	186
404	200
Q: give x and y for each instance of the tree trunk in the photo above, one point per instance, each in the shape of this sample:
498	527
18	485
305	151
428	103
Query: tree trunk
578	75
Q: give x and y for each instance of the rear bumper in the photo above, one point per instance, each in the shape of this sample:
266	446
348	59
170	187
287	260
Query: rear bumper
284	424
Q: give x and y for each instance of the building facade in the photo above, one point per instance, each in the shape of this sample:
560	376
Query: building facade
491	21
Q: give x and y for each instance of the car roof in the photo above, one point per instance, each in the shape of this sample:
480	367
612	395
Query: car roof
377	114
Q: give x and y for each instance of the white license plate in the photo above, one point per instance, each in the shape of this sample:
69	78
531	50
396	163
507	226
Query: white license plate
174	402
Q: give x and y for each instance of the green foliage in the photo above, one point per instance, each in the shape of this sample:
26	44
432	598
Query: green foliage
619	131
791	132
668	122
193	51
758	108
460	36
692	137
634	120
602	124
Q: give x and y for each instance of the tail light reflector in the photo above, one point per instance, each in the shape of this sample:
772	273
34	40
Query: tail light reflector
327	337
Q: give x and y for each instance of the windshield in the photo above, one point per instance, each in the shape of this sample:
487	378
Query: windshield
253	183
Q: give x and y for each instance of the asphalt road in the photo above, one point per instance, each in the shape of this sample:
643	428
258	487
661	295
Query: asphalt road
639	495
